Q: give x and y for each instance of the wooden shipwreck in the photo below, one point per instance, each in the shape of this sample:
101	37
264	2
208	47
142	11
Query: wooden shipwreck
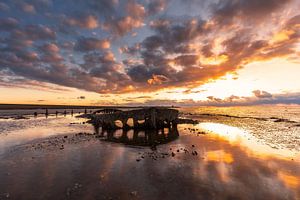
145	118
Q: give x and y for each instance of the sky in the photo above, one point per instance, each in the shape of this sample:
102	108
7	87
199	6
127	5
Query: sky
150	52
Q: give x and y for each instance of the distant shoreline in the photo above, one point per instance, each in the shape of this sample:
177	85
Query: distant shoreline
40	106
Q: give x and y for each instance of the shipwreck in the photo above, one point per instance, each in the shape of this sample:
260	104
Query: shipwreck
143	127
145	118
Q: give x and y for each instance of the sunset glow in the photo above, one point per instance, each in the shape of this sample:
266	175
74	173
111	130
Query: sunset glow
150	52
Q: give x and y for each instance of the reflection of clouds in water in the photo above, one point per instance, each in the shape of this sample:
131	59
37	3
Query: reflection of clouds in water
237	136
237	171
222	170
260	121
219	156
15	132
140	137
289	180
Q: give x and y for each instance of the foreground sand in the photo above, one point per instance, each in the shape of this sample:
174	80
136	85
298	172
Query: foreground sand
84	167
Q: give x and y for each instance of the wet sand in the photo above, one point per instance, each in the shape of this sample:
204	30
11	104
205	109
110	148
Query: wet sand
87	167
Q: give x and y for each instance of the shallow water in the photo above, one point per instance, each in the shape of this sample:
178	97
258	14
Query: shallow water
232	162
276	126
223	168
291	112
16	132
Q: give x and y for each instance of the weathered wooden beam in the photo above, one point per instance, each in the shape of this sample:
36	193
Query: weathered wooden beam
154	118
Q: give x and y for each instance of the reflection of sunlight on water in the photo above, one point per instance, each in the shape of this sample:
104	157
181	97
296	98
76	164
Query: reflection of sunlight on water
224	172
233	134
219	156
289	180
222	160
233	157
25	130
237	136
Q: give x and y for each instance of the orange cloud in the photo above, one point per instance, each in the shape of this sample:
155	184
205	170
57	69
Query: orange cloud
157	79
88	22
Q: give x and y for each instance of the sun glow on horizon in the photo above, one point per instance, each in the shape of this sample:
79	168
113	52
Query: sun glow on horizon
266	75
214	54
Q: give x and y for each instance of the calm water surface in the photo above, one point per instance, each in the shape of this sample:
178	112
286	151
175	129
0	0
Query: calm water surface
232	162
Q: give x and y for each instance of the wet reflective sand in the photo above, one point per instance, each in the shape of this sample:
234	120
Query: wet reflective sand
137	137
16	132
227	166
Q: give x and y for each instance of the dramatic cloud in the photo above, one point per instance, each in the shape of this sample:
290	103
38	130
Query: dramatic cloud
156	6
90	44
123	25
228	11
28	8
262	94
8	24
34	32
88	22
292	98
157	79
50	48
113	46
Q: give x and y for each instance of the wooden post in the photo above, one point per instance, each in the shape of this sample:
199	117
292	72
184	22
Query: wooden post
135	123
153	118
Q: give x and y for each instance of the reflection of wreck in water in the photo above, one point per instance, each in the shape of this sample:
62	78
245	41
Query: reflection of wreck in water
155	124
137	137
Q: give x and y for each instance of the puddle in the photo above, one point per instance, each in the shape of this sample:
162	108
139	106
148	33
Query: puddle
140	137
